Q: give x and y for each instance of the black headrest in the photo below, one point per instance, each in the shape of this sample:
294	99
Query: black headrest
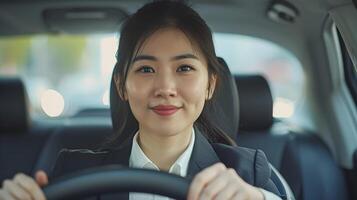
14	116
226	115
255	103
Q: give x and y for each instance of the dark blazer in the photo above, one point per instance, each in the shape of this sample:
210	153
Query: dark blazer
251	165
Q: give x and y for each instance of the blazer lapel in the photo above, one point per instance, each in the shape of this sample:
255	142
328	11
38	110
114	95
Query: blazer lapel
203	155
118	156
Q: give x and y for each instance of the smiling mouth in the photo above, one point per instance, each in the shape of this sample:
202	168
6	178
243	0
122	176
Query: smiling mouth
163	110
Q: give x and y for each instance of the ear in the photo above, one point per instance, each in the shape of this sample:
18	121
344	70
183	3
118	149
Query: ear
122	94
211	87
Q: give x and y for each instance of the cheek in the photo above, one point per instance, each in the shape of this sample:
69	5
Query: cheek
137	88
137	92
195	92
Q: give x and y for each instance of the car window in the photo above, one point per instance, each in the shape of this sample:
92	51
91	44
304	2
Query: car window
67	73
250	55
63	74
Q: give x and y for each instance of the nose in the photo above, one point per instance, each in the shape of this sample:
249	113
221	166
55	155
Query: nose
165	85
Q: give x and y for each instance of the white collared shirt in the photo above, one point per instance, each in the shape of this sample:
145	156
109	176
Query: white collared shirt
138	159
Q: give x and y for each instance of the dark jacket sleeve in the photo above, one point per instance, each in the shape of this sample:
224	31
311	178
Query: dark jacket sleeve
57	167
263	173
71	161
251	165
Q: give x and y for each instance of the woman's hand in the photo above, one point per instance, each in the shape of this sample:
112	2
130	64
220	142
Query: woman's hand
219	182
23	187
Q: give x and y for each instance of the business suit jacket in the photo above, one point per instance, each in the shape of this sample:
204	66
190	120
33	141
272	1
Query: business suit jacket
251	165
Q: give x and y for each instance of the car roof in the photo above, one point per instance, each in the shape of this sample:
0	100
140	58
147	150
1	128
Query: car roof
247	17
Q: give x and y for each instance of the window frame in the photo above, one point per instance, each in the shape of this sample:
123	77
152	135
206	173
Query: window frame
350	71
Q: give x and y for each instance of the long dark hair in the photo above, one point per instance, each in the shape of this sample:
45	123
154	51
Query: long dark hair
134	31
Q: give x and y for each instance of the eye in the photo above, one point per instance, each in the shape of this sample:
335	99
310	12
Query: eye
184	68
146	69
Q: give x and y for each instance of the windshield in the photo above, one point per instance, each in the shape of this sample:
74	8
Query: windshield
65	74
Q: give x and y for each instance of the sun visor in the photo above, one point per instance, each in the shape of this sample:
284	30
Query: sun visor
84	20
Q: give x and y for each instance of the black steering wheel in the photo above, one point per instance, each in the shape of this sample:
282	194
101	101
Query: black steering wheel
117	179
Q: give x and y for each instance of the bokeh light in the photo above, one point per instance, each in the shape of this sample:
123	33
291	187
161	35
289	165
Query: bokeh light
283	108
52	103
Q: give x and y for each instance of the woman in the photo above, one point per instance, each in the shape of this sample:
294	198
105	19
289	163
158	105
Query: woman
166	75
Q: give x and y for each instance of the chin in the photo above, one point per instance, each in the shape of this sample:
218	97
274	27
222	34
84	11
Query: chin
168	129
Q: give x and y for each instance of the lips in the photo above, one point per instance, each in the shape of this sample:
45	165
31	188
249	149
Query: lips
165	110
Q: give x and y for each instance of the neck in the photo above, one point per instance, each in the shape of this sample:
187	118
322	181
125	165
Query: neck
164	150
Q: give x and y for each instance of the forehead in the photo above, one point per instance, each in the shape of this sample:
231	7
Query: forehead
168	42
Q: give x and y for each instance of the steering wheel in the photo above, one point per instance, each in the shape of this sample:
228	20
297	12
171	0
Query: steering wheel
117	179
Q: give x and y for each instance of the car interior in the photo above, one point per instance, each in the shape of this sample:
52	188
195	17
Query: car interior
316	154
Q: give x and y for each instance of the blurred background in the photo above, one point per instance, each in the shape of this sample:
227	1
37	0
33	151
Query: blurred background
65	74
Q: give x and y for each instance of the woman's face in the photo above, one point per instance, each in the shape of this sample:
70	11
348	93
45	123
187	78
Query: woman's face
167	83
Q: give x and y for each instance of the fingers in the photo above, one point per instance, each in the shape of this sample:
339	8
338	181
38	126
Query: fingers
41	178
29	185
15	190
219	183
4	195
203	178
230	192
23	187
223	182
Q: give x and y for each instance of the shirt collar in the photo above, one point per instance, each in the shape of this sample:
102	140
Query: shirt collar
138	159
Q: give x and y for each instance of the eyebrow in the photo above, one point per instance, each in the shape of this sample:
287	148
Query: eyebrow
184	56
153	58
